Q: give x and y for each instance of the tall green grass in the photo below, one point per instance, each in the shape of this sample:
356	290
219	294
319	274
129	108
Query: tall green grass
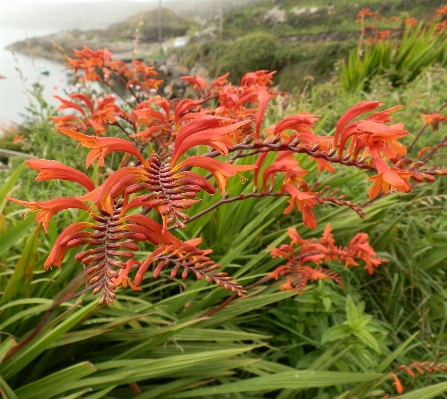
175	339
401	60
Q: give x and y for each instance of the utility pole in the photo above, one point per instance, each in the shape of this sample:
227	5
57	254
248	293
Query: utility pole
221	19
160	38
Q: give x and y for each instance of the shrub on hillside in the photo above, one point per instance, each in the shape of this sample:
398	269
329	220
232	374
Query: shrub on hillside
251	52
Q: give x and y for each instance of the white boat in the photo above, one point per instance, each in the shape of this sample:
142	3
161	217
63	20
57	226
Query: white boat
43	70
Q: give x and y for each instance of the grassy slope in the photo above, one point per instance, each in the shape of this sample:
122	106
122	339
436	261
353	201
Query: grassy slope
173	25
310	43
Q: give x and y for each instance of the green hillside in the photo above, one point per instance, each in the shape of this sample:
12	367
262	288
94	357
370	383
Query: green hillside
317	17
172	24
299	39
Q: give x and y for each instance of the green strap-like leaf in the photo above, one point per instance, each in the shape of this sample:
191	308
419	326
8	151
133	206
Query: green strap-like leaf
13	234
51	385
6	391
28	353
8	186
19	284
299	379
425	393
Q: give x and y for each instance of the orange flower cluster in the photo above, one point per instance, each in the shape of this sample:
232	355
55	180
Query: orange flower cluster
366	12
316	251
433	119
371	34
419	367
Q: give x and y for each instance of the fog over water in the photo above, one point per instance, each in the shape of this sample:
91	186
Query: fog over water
22	19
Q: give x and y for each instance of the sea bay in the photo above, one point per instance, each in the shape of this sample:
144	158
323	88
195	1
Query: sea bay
21	71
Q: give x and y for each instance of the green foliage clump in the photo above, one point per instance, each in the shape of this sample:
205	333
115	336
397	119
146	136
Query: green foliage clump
208	53
239	22
172	25
250	53
316	61
402	60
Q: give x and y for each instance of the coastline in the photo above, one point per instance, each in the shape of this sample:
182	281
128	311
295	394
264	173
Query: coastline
56	47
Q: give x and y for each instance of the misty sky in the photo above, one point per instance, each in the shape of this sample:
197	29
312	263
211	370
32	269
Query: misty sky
81	14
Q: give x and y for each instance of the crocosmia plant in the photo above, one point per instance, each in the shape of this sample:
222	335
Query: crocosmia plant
173	151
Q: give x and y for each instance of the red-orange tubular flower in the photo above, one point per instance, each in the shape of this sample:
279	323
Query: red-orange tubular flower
304	201
433	120
47	209
49	170
103	146
301	254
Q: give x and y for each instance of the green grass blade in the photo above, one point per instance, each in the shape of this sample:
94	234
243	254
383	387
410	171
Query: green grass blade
6	391
54	383
243	306
19	284
8	186
382	366
5	346
392	356
28	353
299	379
100	394
13	234
434	259
425	393
78	394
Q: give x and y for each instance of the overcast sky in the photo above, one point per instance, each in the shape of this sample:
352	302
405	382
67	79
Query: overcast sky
81	14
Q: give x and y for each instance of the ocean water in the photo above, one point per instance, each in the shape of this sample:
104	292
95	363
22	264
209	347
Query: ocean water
21	72
22	19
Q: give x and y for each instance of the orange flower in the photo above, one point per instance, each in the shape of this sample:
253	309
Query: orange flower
102	146
313	250
123	276
304	202
153	230
295	237
89	60
378	138
263	99
371	133
104	195
69	121
388	178
220	81
301	123
184	108
433	120
360	248
220	170
58	251
441	11
351	113
411	21
207	130
47	209
384	34
323	164
198	81
262	78
364	12
398	384
17	138
55	170
70	104
287	164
